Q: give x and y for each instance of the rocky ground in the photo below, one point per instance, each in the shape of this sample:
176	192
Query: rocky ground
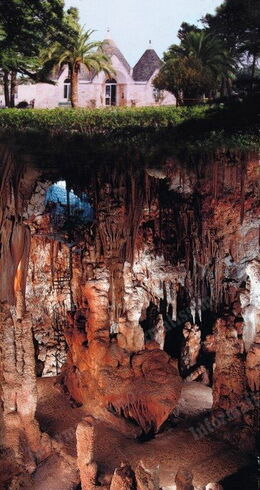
174	447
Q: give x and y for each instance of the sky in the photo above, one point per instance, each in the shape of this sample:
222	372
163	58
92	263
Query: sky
133	23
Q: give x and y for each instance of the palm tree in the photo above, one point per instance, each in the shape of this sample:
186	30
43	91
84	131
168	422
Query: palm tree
210	51
79	51
200	64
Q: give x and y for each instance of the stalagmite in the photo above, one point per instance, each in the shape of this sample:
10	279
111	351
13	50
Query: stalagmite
251	304
184	479
19	393
159	331
147	479
229	384
85	435
253	365
123	478
190	349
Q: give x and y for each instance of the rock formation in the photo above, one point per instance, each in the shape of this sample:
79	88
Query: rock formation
184	479
253	365
105	301
123	478
147	479
190	367
85	434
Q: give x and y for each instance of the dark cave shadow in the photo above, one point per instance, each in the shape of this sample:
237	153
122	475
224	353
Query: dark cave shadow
244	479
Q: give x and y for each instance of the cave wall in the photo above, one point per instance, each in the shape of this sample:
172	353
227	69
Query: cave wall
21	433
49	278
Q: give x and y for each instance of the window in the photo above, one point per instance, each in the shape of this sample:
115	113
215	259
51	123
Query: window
110	92
67	89
158	95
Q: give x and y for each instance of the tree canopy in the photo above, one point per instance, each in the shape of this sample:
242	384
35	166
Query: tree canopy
194	67
210	59
25	27
237	24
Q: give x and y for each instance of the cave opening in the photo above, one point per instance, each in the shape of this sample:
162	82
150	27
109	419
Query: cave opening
68	211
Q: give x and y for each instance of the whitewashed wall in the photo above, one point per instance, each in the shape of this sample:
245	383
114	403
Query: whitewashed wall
92	94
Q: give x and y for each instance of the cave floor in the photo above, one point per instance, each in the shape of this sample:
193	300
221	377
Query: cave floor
208	458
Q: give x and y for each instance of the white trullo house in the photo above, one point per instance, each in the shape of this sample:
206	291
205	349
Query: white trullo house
128	87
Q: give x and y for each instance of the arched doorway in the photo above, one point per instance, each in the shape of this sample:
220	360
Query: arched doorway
110	94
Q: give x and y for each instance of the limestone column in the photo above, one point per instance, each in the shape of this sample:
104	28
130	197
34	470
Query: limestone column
251	304
85	435
253	365
19	391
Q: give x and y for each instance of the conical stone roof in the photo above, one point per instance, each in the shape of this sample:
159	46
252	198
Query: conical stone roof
146	66
110	49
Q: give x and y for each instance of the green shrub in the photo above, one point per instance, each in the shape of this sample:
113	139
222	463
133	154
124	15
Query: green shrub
186	128
90	121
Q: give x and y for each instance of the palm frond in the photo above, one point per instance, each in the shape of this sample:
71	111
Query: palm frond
80	50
